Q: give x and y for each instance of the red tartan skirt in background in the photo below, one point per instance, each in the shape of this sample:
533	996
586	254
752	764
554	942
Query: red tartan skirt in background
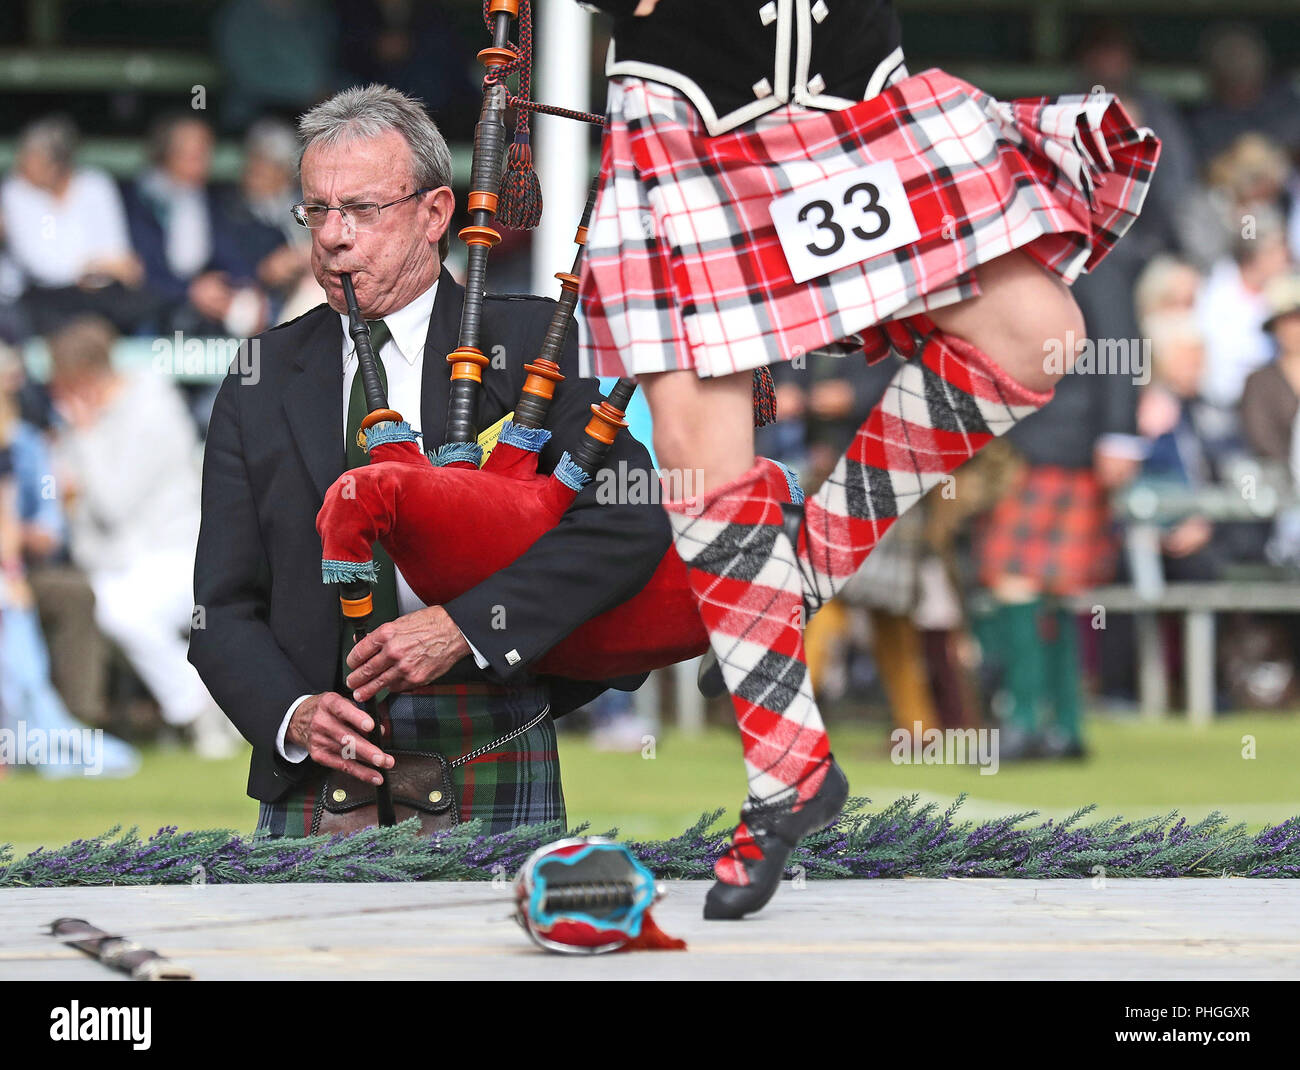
1054	526
683	267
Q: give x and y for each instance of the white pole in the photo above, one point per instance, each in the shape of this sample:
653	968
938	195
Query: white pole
561	76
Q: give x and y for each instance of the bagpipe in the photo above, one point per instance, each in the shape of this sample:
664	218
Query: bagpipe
449	519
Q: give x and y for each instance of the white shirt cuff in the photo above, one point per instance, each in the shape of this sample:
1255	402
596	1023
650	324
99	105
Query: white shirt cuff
1130	447
479	659
291	752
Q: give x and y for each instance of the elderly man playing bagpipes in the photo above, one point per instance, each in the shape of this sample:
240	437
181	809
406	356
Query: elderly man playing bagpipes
774	181
466	730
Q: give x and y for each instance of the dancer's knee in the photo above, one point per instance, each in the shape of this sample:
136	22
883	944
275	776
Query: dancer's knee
1025	320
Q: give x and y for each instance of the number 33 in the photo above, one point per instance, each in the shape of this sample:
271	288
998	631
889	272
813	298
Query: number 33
827	221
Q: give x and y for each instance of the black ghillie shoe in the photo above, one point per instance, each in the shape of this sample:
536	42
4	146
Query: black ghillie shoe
775	830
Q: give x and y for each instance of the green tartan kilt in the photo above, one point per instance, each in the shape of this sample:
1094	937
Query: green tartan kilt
516	783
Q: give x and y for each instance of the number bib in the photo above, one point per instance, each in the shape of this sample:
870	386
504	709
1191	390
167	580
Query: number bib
843	220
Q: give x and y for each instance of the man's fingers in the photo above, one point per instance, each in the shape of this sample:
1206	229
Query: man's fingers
395	679
341	725
343	765
364	750
368	647
337	740
380	662
352	718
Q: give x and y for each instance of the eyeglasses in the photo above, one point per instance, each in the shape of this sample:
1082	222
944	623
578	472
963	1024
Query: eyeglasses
362	213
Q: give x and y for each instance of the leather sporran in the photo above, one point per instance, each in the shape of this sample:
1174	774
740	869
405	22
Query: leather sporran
420	782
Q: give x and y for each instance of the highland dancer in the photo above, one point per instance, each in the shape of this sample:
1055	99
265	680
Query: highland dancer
774	181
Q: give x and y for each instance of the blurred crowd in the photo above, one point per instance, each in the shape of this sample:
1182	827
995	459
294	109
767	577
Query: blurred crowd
961	615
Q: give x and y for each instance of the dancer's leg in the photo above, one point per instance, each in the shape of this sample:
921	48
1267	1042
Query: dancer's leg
742	570
943	405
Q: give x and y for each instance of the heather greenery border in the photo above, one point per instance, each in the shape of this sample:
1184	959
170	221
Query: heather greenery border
904	839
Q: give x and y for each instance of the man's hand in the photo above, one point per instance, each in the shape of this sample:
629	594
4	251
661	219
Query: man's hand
334	733
39	542
645	7
409	652
1114	470
831	399
211	294
1188	537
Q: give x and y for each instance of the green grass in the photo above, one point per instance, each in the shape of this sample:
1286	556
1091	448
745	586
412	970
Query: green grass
1136	769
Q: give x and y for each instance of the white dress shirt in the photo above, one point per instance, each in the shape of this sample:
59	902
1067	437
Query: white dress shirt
54	239
1231	318
403	359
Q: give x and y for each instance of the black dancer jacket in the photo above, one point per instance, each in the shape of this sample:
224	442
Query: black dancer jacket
738	59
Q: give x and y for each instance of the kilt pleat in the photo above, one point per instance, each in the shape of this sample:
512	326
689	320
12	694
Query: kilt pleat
683	268
516	783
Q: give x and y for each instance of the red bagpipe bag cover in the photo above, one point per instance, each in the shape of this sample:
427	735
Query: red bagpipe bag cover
449	526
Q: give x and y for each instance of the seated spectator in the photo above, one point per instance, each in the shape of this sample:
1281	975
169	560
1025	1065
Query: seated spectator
1232	309
129	453
64	600
53	740
1251	176
260	255
66	233
1166	285
170	211
1169	415
1271	397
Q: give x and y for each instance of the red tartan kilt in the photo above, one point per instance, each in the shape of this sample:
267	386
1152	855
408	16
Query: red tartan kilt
1054	527
683	268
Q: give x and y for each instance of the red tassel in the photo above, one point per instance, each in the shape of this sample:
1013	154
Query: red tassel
764	397
520	202
653	938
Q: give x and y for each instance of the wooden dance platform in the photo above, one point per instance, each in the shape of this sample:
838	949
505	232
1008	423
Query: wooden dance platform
889	929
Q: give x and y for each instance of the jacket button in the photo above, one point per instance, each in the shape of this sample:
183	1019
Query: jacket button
339	795
762	88
767	13
816	84
435	796
820	10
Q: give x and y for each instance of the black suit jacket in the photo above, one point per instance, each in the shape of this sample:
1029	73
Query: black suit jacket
268	630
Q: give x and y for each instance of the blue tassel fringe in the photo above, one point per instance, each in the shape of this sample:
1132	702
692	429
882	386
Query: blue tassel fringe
526	438
568	473
456	451
349	571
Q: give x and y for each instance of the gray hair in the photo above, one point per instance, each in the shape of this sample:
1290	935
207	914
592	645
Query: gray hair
273	140
55	136
369	111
